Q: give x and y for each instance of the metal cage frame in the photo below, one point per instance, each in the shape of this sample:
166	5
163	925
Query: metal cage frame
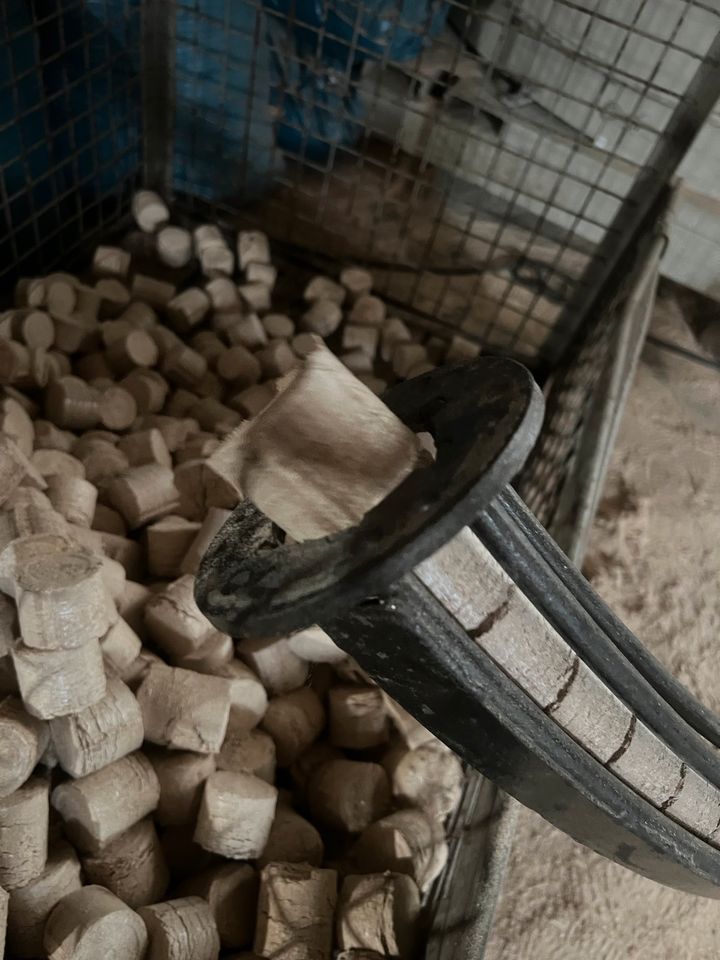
506	202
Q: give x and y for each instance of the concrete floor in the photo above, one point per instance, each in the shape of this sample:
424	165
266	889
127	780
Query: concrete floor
655	556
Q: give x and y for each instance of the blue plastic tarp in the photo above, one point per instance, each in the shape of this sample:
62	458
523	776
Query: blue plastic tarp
253	81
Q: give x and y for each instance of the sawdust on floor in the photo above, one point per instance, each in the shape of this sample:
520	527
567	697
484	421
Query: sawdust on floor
655	557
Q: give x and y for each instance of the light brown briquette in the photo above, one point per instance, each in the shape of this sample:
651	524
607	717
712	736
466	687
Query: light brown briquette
23	740
182	777
358	719
248	752
144	493
101	734
85	918
279	669
231	892
379	912
236	814
98	807
181	929
30	905
54	683
132	866
348	795
24	817
294	720
168	541
296	907
183	709
293	839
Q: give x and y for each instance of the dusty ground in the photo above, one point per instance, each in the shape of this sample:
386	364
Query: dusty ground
655	556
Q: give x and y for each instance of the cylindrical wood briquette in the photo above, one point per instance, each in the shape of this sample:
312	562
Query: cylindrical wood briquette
356	281
252	247
60	296
294	720
403	842
174	246
209	344
429	777
323	317
134	349
231	892
182	777
14	361
279	669
296	907
293	839
236	813
181	929
91	916
168	541
139	315
145	446
188	309
117	409
132	866
111	262
358	719
368	311
248	752
114	297
73	497
247	331
183	709
70	403
100	806
149	388
278	325
144	493
156	293
323	288
223	294
348	795
54	683
23	740
264	273
149	210
60	599
215	416
24	833
30	292
34	327
256	296
120	646
30	905
101	734
174	621
379	912
184	366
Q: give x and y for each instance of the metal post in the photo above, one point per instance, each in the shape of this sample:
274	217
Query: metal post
158	88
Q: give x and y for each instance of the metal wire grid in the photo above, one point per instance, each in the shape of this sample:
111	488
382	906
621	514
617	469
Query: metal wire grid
495	271
70	113
510	262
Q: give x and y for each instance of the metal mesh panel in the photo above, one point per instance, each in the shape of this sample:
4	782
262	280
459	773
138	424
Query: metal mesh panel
490	160
70	112
482	158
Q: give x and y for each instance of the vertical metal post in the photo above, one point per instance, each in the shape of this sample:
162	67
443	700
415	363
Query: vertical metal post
158	87
691	111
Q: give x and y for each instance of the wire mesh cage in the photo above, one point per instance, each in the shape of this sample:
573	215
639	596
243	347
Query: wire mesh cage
499	165
491	161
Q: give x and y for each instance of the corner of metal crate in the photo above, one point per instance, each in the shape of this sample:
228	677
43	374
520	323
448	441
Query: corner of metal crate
562	483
